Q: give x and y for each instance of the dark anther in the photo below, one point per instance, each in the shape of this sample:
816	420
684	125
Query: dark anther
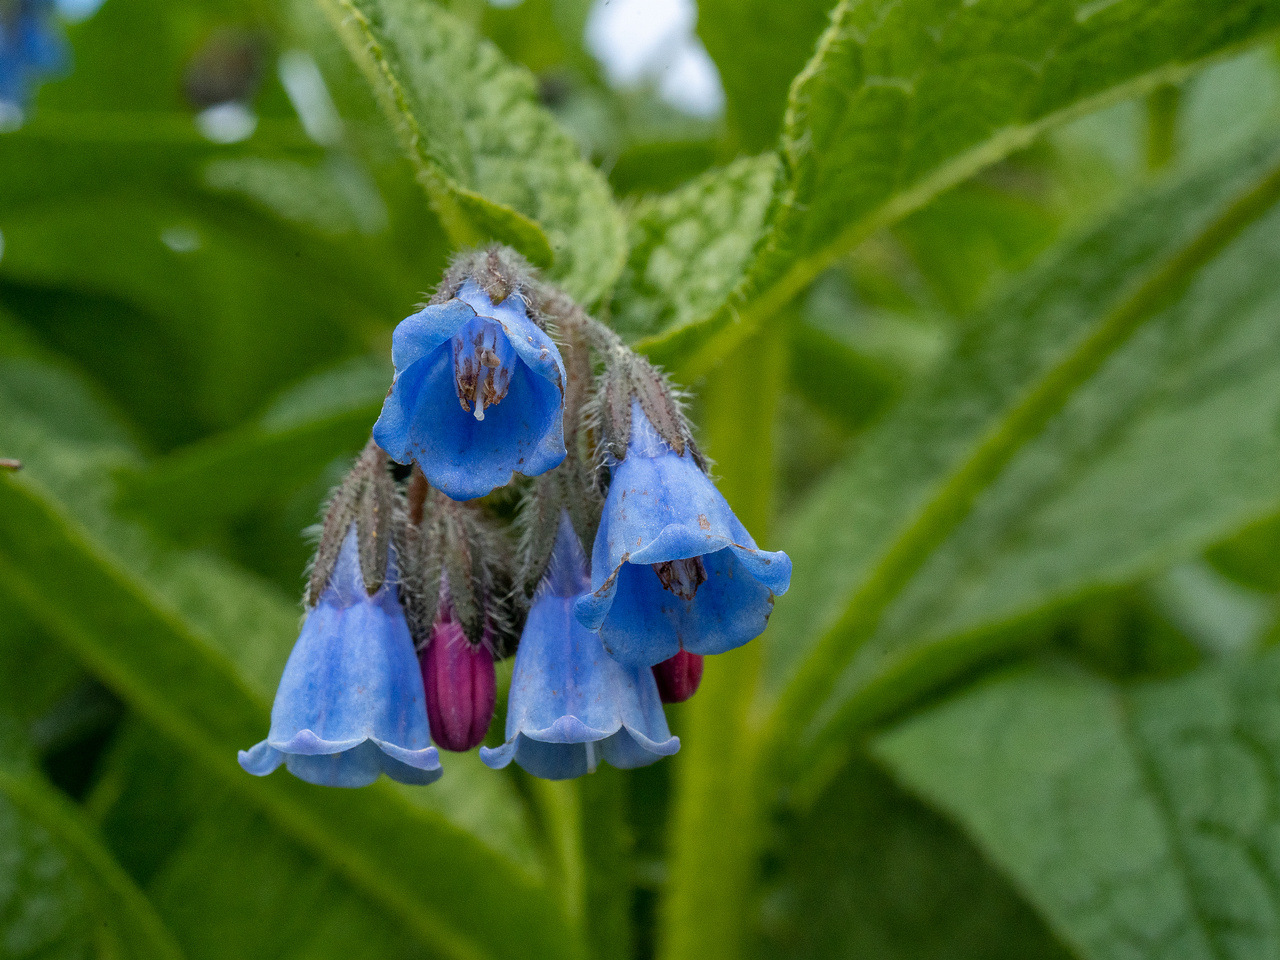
682	577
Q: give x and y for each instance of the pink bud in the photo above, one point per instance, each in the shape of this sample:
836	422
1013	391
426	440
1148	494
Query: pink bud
678	677
459	680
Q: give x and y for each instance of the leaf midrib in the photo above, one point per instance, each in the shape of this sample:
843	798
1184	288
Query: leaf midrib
749	308
811	687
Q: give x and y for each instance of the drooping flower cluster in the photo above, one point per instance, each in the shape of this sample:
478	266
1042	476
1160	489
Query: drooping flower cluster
31	47
596	442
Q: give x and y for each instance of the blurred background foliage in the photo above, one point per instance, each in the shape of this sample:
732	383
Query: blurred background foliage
978	303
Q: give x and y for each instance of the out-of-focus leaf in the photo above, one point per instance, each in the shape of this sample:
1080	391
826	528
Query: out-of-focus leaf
689	247
325	417
847	386
1114	413
223	878
972	235
493	161
759	46
215	284
163	631
905	100
868	872
61	893
1252	557
1141	821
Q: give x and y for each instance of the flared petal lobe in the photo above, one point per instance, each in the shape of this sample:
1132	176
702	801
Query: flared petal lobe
672	568
350	704
571	704
478	395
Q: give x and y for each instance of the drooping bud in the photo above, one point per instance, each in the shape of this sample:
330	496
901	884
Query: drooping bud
460	684
678	677
630	380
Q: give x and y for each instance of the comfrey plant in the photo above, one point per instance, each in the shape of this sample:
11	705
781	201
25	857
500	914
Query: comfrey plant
502	379
31	47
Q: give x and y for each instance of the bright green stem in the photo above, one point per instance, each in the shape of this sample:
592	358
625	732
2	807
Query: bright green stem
560	807
715	832
606	847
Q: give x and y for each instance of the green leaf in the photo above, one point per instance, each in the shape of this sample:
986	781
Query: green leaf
221	874
323	418
227	301
494	163
1114	413
759	46
1141	821
60	890
689	247
163	630
904	100
868	871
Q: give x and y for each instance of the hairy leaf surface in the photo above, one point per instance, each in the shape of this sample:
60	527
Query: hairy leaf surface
1141	821
494	163
905	99
1115	412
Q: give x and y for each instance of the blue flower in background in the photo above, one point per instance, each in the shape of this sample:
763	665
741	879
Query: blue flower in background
672	568
31	47
572	705
477	397
350	704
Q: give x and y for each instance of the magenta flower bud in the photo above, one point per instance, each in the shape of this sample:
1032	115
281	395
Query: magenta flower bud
678	677
459	680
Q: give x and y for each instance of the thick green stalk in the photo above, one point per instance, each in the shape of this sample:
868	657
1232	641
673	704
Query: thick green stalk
606	848
715	831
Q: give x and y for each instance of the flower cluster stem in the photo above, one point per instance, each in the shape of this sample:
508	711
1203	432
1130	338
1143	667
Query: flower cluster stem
716	832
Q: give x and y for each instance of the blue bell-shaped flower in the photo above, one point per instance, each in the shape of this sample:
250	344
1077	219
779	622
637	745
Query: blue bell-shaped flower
31	46
478	394
350	704
571	704
672	568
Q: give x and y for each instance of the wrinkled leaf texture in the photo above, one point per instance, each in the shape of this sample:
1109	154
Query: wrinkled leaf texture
1116	411
1142	821
903	100
493	161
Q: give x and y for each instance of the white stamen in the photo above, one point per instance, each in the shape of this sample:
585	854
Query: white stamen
479	410
591	756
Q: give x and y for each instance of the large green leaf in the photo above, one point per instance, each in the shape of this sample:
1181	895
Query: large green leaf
215	301
196	648
61	893
494	163
866	871
906	99
688	248
1143	822
324	417
221	876
1114	413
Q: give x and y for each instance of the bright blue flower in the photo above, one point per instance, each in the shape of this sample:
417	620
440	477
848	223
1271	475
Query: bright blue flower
572	705
478	395
672	568
31	46
350	704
